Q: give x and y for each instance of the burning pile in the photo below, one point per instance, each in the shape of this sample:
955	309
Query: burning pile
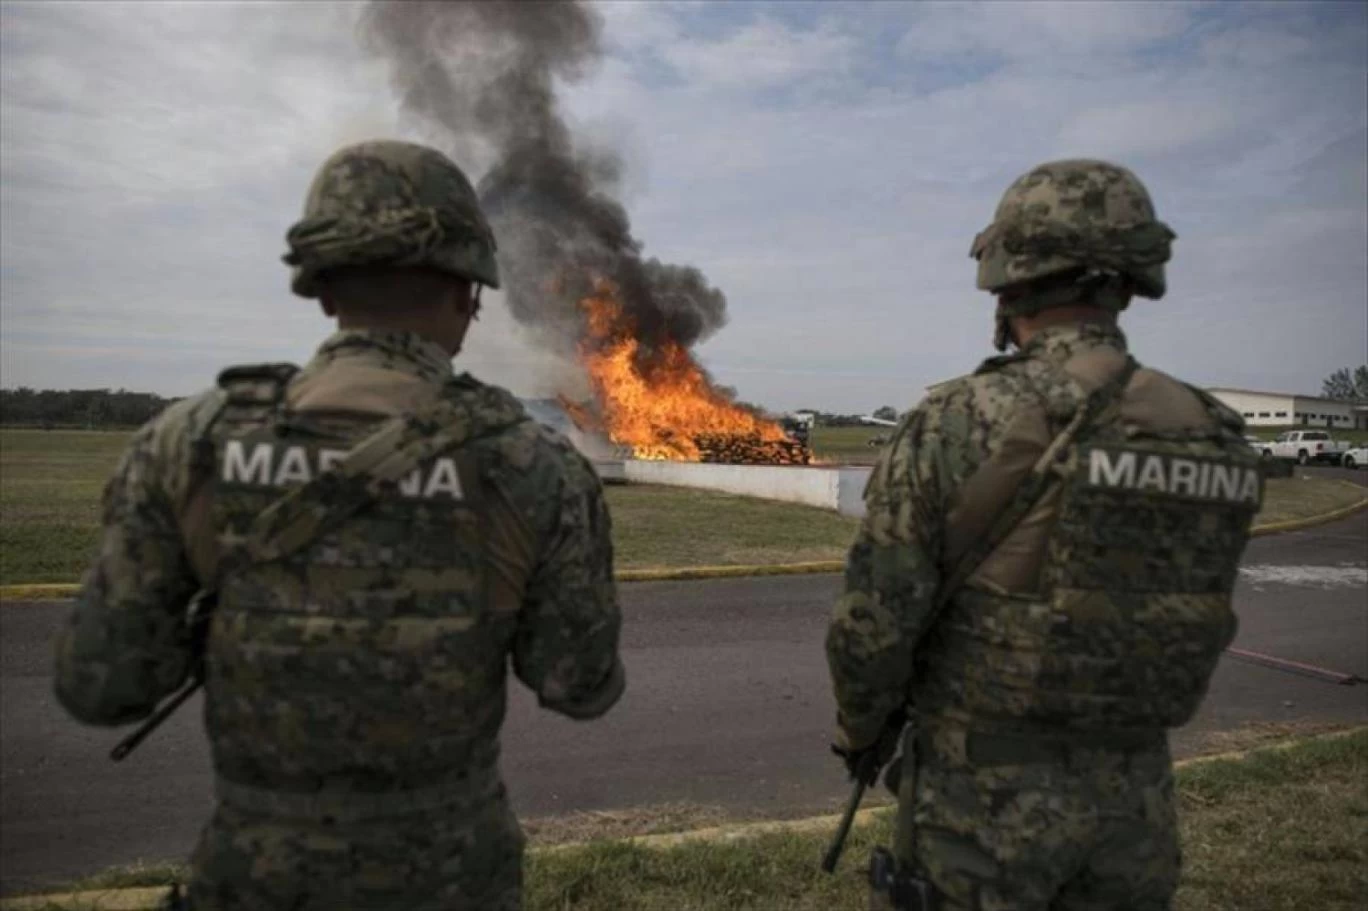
659	402
484	75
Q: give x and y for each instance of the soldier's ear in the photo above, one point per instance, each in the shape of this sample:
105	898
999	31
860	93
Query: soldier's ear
464	298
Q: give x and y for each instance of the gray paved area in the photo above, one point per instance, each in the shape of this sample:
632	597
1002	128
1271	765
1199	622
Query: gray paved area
727	704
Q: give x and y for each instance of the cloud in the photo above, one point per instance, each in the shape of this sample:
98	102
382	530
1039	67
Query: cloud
1254	45
1146	127
761	54
825	166
1041	31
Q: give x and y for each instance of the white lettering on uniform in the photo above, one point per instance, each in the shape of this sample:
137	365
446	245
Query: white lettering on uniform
443	480
294	467
1225	480
1103	472
1204	482
1179	477
1152	475
237	467
1183	478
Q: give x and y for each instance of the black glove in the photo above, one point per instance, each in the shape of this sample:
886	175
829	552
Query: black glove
866	762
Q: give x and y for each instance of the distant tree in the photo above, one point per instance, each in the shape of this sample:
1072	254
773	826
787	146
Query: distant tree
887	413
1344	386
78	407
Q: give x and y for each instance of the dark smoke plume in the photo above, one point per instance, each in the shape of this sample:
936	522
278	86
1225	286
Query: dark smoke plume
480	76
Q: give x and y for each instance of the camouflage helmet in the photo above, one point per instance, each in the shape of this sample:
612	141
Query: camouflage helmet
1068	215
390	203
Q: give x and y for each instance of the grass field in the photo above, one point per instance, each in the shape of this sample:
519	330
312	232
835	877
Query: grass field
1279	828
848	445
679	526
50	483
1298	497
1353	437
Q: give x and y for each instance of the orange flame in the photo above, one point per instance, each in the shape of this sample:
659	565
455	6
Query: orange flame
663	404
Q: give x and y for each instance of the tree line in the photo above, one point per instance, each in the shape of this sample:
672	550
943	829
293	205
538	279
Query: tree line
103	408
89	408
1344	386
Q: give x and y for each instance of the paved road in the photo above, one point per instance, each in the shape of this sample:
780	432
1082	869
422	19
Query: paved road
728	704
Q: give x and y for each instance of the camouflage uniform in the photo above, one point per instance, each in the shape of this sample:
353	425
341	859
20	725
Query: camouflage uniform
355	667
1036	772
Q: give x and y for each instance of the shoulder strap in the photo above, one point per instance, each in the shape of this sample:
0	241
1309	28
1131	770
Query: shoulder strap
399	446
1033	486
997	362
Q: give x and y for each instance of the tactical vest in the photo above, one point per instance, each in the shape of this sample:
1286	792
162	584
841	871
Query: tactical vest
365	657
1107	606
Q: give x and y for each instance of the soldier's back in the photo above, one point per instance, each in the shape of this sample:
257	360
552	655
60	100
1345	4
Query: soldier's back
357	683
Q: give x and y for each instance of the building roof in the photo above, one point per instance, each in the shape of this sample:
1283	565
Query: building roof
1282	395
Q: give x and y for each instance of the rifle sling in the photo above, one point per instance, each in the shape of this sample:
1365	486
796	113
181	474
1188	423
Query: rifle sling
396	448
1024	498
1032	487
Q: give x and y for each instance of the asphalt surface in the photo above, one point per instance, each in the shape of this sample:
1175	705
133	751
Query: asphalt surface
728	704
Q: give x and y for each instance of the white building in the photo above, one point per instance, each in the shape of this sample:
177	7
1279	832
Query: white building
1281	409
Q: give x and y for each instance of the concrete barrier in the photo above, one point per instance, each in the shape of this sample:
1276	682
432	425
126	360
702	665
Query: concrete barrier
836	487
610	471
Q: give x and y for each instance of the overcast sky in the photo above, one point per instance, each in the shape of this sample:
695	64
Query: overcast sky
825	165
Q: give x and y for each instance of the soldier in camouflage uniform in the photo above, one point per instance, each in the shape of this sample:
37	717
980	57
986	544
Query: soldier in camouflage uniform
1043	579
382	536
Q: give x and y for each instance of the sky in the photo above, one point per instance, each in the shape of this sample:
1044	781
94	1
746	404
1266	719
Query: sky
825	165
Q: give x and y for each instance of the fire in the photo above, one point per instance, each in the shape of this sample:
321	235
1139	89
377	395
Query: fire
661	403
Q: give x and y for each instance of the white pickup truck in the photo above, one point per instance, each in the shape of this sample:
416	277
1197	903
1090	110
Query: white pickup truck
1304	446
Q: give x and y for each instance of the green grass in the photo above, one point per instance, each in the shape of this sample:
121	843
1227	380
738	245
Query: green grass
50	484
1343	435
679	526
1297	497
133	876
847	445
1279	828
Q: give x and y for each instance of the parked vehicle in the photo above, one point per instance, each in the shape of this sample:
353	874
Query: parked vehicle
1356	457
1304	447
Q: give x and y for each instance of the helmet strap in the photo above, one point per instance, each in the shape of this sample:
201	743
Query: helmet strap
1104	290
1002	331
